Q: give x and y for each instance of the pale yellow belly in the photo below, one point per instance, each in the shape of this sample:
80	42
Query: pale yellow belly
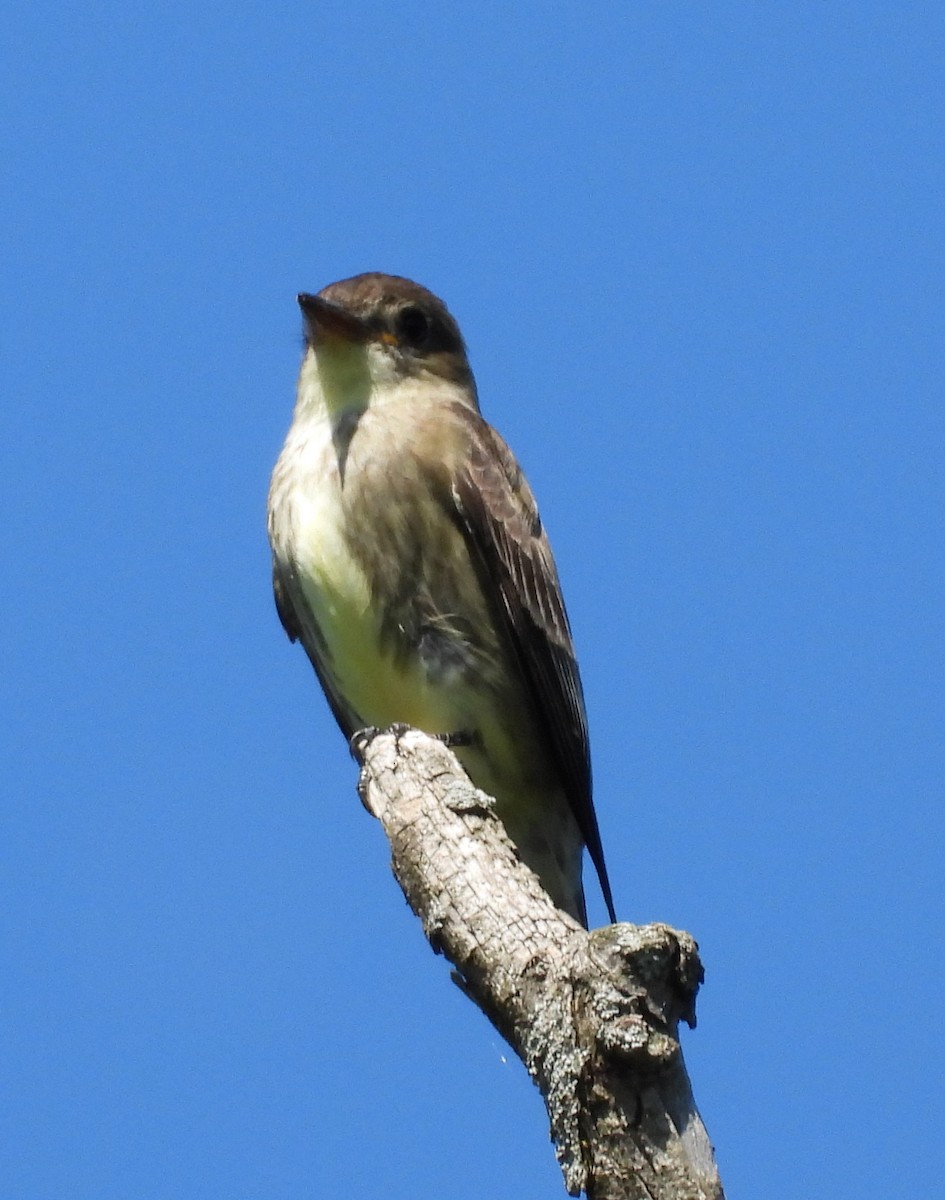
379	684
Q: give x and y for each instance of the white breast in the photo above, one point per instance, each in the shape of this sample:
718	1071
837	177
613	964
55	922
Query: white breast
307	527
309	535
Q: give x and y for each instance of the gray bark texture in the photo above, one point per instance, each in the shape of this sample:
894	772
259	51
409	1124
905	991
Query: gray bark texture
593	1015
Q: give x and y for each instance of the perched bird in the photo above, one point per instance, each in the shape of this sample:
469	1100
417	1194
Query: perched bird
410	561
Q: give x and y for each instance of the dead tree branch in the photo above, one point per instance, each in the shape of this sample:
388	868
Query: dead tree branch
594	1016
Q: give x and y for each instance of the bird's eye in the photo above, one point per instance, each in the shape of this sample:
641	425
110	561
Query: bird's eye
413	326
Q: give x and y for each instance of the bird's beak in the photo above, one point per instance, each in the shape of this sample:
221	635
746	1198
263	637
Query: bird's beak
324	320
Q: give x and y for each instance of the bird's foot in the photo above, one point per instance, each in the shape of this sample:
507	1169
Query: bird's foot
361	738
358	741
461	737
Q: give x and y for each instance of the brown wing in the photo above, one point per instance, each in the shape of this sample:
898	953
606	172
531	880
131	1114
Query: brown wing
500	520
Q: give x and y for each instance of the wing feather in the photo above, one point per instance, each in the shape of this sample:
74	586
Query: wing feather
499	517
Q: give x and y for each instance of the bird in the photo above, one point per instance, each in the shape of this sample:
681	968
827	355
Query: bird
410	560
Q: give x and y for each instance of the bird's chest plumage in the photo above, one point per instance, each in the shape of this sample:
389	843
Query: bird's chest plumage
384	572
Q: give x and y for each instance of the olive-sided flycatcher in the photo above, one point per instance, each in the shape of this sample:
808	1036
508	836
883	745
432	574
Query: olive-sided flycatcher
410	561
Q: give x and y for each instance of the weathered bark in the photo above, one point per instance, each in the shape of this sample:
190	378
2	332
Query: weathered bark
593	1015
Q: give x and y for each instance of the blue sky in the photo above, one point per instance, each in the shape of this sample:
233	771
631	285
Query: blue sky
697	253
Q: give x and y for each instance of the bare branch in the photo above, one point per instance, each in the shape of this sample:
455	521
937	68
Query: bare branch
594	1016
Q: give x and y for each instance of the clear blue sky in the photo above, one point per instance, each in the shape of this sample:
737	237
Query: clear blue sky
698	255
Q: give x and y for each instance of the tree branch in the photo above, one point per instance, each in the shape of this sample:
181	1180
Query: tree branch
593	1015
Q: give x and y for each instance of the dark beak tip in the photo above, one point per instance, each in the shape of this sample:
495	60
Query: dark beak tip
323	317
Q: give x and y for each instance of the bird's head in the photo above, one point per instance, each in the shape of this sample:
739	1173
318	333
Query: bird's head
371	336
